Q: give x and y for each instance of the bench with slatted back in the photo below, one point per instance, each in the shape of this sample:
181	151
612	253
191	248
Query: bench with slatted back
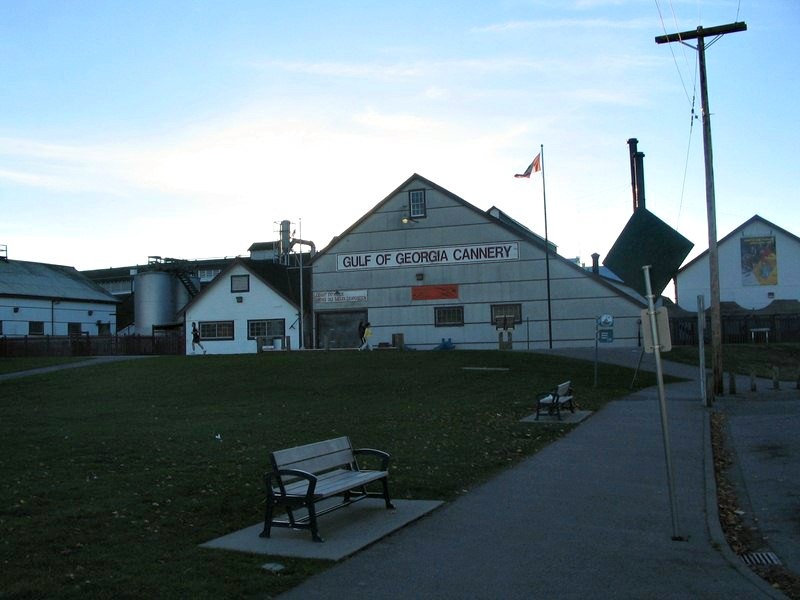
553	400
305	475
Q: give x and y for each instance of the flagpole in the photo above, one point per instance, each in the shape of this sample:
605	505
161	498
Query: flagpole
546	253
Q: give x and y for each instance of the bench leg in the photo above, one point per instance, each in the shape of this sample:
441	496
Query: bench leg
386	497
268	517
312	520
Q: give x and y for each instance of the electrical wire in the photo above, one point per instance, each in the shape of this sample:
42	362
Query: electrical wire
674	59
686	166
692	102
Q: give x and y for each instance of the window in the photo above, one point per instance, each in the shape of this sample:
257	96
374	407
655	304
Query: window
104	329
1	328
506	315
266	328
216	330
35	327
240	283
448	316
416	204
73	328
206	275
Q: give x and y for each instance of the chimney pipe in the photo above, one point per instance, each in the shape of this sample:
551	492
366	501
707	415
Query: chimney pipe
595	263
637	173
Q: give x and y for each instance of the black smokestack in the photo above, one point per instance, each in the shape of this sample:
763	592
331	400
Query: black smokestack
637	173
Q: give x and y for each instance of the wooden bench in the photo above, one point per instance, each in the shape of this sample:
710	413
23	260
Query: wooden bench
553	400
305	475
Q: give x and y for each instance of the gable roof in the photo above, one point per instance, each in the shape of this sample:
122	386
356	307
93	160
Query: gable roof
41	280
282	280
754	219
494	214
497	217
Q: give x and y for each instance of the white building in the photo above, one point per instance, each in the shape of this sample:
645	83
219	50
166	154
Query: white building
425	266
38	299
759	263
248	300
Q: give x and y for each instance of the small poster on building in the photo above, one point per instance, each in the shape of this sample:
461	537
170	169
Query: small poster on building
759	261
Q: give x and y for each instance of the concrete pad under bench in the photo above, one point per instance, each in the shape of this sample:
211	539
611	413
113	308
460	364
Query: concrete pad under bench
345	531
566	417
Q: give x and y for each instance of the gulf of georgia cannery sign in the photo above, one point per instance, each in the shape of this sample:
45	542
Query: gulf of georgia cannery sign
442	255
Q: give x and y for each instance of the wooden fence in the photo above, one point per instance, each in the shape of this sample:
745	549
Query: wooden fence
738	329
85	345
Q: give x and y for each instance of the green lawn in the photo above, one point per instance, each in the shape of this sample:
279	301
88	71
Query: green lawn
112	474
747	358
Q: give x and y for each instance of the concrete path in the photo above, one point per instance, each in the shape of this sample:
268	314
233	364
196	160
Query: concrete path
93	360
587	517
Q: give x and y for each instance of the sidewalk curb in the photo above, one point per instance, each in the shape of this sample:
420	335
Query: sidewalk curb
712	519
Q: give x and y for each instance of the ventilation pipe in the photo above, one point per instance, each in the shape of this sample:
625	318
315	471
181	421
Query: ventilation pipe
285	244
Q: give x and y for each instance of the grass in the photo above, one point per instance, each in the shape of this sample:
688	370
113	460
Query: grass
112	474
747	358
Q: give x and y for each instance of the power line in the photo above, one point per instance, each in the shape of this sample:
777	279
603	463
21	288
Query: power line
675	60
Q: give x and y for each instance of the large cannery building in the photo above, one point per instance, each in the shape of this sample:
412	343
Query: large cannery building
428	269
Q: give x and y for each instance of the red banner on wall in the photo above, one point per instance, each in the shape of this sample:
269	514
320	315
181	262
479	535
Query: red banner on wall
434	292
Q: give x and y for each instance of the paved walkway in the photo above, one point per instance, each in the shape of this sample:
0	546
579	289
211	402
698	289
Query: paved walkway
92	360
587	517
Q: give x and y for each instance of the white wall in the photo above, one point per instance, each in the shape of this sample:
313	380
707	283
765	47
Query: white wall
695	278
55	315
218	303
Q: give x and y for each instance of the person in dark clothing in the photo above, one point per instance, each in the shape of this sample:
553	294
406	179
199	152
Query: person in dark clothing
361	329
196	338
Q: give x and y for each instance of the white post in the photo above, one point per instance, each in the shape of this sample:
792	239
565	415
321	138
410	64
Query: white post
662	401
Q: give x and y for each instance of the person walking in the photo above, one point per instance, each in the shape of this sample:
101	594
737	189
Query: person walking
196	338
361	329
365	337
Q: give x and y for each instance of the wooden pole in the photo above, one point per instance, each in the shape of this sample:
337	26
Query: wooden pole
713	256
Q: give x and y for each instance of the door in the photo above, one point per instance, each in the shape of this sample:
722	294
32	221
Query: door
339	329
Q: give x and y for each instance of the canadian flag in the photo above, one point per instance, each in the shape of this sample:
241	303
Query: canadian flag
534	167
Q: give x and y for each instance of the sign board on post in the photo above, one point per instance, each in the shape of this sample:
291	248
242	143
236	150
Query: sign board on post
662	324
604	333
605	329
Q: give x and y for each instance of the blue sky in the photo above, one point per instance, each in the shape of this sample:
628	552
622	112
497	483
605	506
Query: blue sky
188	129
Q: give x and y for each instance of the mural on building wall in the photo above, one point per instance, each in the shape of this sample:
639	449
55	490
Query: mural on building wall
759	261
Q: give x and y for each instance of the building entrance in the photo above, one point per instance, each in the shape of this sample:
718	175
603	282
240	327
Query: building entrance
339	329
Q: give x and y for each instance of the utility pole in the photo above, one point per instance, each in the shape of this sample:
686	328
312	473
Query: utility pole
713	256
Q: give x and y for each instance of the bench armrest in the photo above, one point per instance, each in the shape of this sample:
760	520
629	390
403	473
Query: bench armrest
280	473
384	456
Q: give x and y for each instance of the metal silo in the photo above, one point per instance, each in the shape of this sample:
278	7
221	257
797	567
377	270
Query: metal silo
154	302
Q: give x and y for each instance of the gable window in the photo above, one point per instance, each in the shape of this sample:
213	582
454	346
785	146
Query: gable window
206	275
240	283
448	316
416	204
266	328
506	315
35	327
216	330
